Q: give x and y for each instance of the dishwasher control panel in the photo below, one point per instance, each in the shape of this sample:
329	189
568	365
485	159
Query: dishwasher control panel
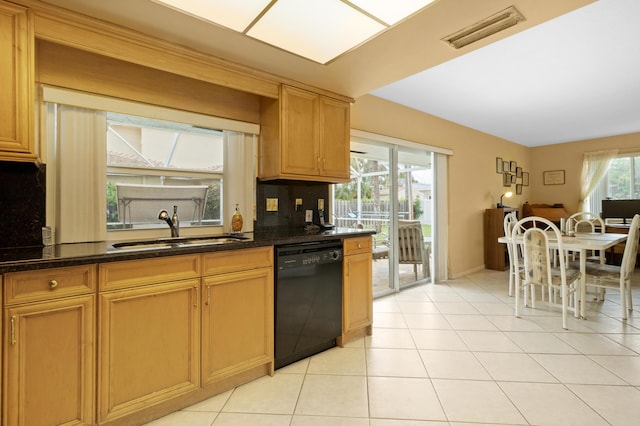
294	256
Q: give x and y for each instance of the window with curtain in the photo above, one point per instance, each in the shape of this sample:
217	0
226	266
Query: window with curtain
113	167
620	182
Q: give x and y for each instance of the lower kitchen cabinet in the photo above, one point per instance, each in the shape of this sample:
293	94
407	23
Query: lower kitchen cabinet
357	291
237	323
49	358
237	313
149	346
49	347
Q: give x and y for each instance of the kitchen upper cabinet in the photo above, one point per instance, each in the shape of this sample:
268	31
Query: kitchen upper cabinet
357	291
49	347
237	313
16	83
304	136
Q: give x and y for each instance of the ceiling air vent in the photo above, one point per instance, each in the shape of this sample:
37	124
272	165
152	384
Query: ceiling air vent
488	26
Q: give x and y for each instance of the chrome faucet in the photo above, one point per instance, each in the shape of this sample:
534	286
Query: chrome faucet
174	223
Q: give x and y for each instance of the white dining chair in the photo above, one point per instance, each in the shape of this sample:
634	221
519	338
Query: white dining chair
587	222
618	277
533	234
510	220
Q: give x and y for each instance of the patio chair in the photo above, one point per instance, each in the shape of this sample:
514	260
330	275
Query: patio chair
411	246
380	246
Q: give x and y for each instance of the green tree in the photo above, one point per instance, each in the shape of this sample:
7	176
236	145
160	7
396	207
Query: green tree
112	203
417	208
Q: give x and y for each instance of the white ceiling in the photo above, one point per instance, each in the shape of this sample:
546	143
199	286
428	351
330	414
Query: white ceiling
568	72
575	77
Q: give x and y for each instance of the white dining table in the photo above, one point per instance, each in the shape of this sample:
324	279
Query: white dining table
581	242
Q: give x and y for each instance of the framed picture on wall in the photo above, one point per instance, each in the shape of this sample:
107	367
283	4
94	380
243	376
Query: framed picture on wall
553	177
525	178
499	165
506	179
505	167
519	189
513	166
519	172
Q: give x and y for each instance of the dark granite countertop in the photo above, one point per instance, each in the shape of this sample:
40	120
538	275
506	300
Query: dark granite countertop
27	258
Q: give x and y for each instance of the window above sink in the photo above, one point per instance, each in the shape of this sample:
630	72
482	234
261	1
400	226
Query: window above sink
114	164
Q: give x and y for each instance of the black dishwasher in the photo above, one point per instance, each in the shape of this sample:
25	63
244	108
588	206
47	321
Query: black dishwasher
308	299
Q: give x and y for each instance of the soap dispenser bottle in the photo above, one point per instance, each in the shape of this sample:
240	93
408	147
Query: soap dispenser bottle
236	221
175	220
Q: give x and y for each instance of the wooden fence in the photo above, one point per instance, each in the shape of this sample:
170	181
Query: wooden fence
374	215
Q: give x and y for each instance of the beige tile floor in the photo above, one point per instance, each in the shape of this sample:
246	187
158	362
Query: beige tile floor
452	354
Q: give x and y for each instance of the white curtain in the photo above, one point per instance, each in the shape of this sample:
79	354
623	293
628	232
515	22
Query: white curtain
594	167
440	246
239	178
80	170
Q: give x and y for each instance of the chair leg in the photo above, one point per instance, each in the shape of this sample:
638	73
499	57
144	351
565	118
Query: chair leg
564	307
511	280
517	295
623	298
629	298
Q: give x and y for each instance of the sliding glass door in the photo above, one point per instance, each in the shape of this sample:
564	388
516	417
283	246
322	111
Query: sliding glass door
390	193
414	216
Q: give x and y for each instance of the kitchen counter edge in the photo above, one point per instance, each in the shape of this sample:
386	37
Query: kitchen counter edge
60	255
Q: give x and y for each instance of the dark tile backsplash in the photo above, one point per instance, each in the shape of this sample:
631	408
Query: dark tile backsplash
287	216
22	204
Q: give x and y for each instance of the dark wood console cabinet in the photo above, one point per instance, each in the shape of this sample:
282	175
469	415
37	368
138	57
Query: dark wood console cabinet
495	253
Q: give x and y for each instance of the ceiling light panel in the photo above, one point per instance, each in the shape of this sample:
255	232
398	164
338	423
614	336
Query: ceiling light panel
233	14
319	30
390	11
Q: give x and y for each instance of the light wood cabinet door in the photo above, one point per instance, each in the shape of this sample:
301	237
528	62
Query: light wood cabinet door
149	345
357	313
237	323
334	138
300	138
49	363
304	136
16	83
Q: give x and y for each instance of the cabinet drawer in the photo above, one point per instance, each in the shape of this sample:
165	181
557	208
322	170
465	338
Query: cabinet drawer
237	260
31	286
357	245
133	273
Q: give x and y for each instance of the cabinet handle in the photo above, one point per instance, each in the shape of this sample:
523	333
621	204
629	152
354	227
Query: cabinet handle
195	304
208	295
359	245
13	330
349	268
53	284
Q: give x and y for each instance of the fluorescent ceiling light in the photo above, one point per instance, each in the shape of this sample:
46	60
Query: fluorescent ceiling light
233	14
390	11
319	30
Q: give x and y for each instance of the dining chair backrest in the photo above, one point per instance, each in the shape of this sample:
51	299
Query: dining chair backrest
510	219
585	222
534	232
630	249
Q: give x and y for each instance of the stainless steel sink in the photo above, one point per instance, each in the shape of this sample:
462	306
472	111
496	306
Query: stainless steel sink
165	243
